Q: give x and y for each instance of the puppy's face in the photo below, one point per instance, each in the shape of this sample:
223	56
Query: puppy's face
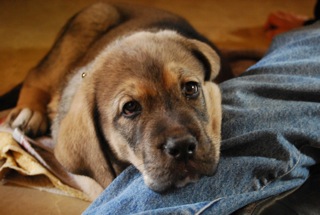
158	108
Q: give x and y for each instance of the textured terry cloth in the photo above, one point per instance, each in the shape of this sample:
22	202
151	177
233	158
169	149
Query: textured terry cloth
271	137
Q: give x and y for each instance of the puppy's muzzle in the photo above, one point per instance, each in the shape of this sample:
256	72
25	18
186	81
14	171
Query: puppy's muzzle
181	148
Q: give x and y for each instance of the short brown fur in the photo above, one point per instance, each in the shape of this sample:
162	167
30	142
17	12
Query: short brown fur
106	57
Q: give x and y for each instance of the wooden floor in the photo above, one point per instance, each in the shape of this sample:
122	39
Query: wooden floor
28	28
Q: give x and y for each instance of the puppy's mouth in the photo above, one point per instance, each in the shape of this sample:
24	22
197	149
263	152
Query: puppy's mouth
179	176
187	177
181	156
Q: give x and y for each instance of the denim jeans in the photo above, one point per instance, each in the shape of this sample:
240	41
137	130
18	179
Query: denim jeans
270	132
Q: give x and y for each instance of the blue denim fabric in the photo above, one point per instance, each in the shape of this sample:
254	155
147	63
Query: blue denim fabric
271	134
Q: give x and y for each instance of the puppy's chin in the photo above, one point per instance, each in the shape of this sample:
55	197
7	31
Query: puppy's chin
187	180
156	185
163	184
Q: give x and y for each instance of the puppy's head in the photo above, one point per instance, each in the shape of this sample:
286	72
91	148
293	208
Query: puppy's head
155	106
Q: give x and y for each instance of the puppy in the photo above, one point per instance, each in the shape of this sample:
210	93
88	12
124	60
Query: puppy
127	85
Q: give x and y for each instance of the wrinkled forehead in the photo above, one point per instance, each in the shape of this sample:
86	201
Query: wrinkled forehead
148	62
155	81
147	52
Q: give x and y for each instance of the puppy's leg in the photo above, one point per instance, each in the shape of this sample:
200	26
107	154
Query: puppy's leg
41	83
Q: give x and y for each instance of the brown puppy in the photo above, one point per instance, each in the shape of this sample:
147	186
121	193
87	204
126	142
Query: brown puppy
127	85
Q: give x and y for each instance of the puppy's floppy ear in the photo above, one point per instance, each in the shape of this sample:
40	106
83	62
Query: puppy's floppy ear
78	147
208	57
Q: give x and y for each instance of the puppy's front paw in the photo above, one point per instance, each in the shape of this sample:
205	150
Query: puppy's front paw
32	123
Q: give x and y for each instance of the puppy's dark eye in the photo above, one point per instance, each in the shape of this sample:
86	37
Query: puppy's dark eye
191	89
131	109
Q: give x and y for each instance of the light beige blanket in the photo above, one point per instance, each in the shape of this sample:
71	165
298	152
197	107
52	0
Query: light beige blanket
31	163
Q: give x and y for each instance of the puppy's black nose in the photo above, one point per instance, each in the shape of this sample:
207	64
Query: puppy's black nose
181	148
